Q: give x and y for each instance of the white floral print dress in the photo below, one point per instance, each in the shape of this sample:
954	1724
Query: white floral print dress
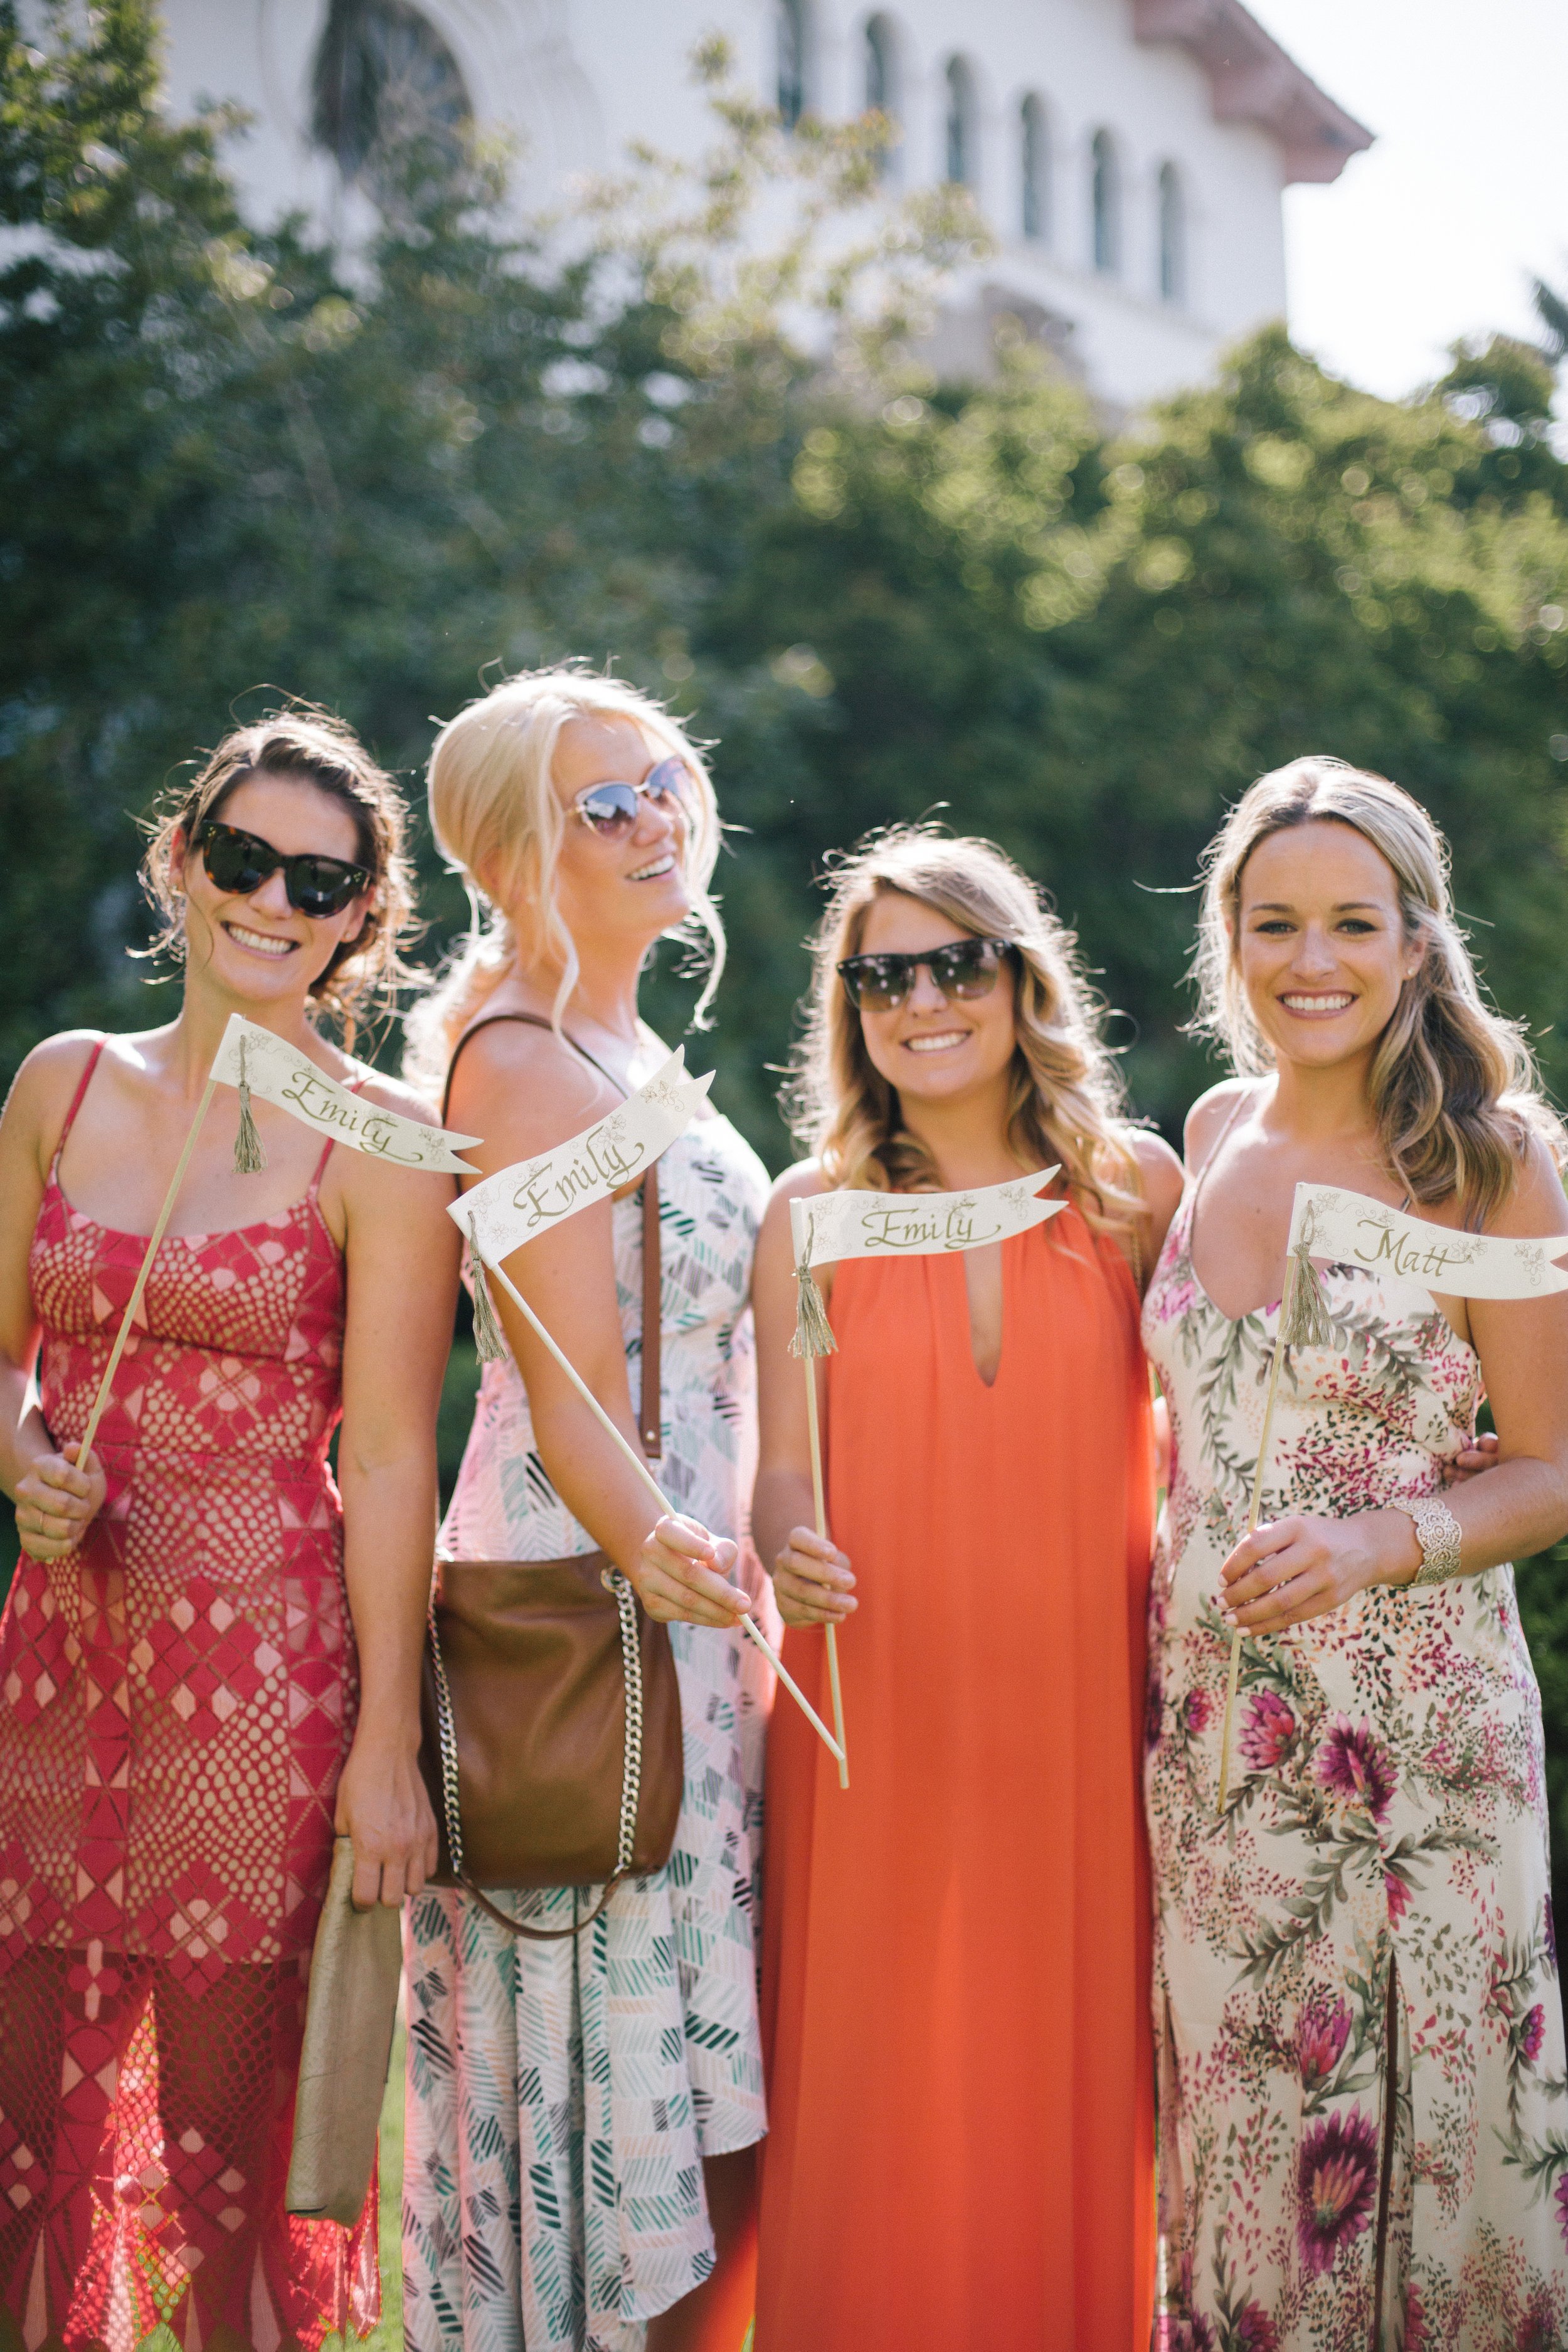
560	2096
1383	1857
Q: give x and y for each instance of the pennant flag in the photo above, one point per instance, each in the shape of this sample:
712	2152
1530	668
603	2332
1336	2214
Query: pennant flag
916	1224
533	1195
1348	1229
258	1063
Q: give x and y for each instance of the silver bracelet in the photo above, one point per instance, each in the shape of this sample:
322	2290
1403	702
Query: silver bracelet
1439	1534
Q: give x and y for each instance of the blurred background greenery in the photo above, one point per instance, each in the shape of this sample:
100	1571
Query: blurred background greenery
235	464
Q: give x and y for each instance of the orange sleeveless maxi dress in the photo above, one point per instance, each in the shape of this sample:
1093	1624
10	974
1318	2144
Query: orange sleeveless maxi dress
957	1950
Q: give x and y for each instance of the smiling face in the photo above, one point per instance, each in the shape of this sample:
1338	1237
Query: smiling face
632	886
257	948
1321	945
932	1049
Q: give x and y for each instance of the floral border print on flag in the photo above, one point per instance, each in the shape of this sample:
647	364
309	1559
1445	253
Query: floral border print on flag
1348	1229
258	1063
916	1224
533	1195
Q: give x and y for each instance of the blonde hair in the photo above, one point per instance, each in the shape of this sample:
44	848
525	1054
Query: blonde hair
498	825
302	742
1066	1102
1454	1087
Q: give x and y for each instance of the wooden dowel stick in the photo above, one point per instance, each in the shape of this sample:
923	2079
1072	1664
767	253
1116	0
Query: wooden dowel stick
121	1337
1252	1518
645	1474
808	1366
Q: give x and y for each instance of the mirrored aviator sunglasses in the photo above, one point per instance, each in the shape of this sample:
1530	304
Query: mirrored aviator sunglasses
241	862
965	970
611	810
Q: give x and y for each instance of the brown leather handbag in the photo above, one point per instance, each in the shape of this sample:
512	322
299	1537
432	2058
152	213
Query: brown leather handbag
551	1710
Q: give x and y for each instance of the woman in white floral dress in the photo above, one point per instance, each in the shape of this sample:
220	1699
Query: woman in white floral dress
581	2114
1364	2133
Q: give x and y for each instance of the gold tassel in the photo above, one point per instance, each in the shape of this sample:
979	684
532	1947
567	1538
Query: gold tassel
249	1159
813	1331
1304	1318
490	1339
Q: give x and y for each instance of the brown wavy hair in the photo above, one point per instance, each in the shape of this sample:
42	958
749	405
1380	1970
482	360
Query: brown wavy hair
365	974
1065	1104
1454	1085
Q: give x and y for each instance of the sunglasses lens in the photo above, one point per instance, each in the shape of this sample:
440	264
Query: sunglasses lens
235	861
321	885
665	784
875	983
966	972
609	808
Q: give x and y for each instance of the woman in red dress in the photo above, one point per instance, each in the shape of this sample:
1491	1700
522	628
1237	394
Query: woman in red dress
209	1658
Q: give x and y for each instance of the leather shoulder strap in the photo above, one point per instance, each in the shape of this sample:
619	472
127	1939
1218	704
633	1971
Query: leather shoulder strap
650	1403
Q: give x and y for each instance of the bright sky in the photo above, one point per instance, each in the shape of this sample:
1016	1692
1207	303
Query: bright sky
1437	232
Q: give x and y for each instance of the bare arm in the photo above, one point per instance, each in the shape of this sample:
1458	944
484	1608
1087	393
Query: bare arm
525	1093
401	1253
811	1576
56	1501
1518	1508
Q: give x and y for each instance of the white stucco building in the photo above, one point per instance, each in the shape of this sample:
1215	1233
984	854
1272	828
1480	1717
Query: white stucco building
1129	155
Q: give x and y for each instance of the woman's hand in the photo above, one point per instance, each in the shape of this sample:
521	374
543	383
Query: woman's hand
1298	1567
382	1805
56	1502
681	1575
812	1580
1479	1456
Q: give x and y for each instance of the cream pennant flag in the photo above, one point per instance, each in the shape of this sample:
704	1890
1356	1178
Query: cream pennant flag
1352	1230
533	1195
258	1063
834	1225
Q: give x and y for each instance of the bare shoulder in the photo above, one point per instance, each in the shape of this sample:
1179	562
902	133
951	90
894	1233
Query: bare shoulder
1207	1120
1537	1204
526	1088
1160	1172
41	1090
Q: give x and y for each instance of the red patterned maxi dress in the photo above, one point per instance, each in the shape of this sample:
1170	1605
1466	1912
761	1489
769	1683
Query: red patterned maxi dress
176	1699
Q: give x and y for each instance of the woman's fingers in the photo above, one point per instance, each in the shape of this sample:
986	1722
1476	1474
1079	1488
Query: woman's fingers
683	1573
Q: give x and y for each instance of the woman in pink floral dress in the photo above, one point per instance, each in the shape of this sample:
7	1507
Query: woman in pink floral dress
1364	2130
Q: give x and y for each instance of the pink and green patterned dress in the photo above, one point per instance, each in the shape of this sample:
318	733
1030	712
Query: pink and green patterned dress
1364	2128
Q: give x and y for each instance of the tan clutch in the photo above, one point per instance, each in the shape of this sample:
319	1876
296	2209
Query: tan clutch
350	2017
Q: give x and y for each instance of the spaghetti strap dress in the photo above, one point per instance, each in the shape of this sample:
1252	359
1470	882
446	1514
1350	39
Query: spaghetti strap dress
178	1694
961	2079
1364	2112
560	2096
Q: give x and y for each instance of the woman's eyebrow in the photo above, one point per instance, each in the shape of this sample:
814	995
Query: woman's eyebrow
1342	907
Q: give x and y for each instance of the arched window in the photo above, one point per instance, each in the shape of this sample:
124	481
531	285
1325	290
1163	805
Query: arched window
1173	235
883	92
1106	201
385	81
1034	169
962	124
791	34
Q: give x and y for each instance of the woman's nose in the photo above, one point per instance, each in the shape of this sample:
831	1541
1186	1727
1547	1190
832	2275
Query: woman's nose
925	996
272	898
1316	951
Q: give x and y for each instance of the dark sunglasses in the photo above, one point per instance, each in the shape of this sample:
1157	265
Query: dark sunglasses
612	809
241	862
880	983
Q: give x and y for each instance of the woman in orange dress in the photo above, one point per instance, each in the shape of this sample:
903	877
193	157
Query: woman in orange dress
957	1947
